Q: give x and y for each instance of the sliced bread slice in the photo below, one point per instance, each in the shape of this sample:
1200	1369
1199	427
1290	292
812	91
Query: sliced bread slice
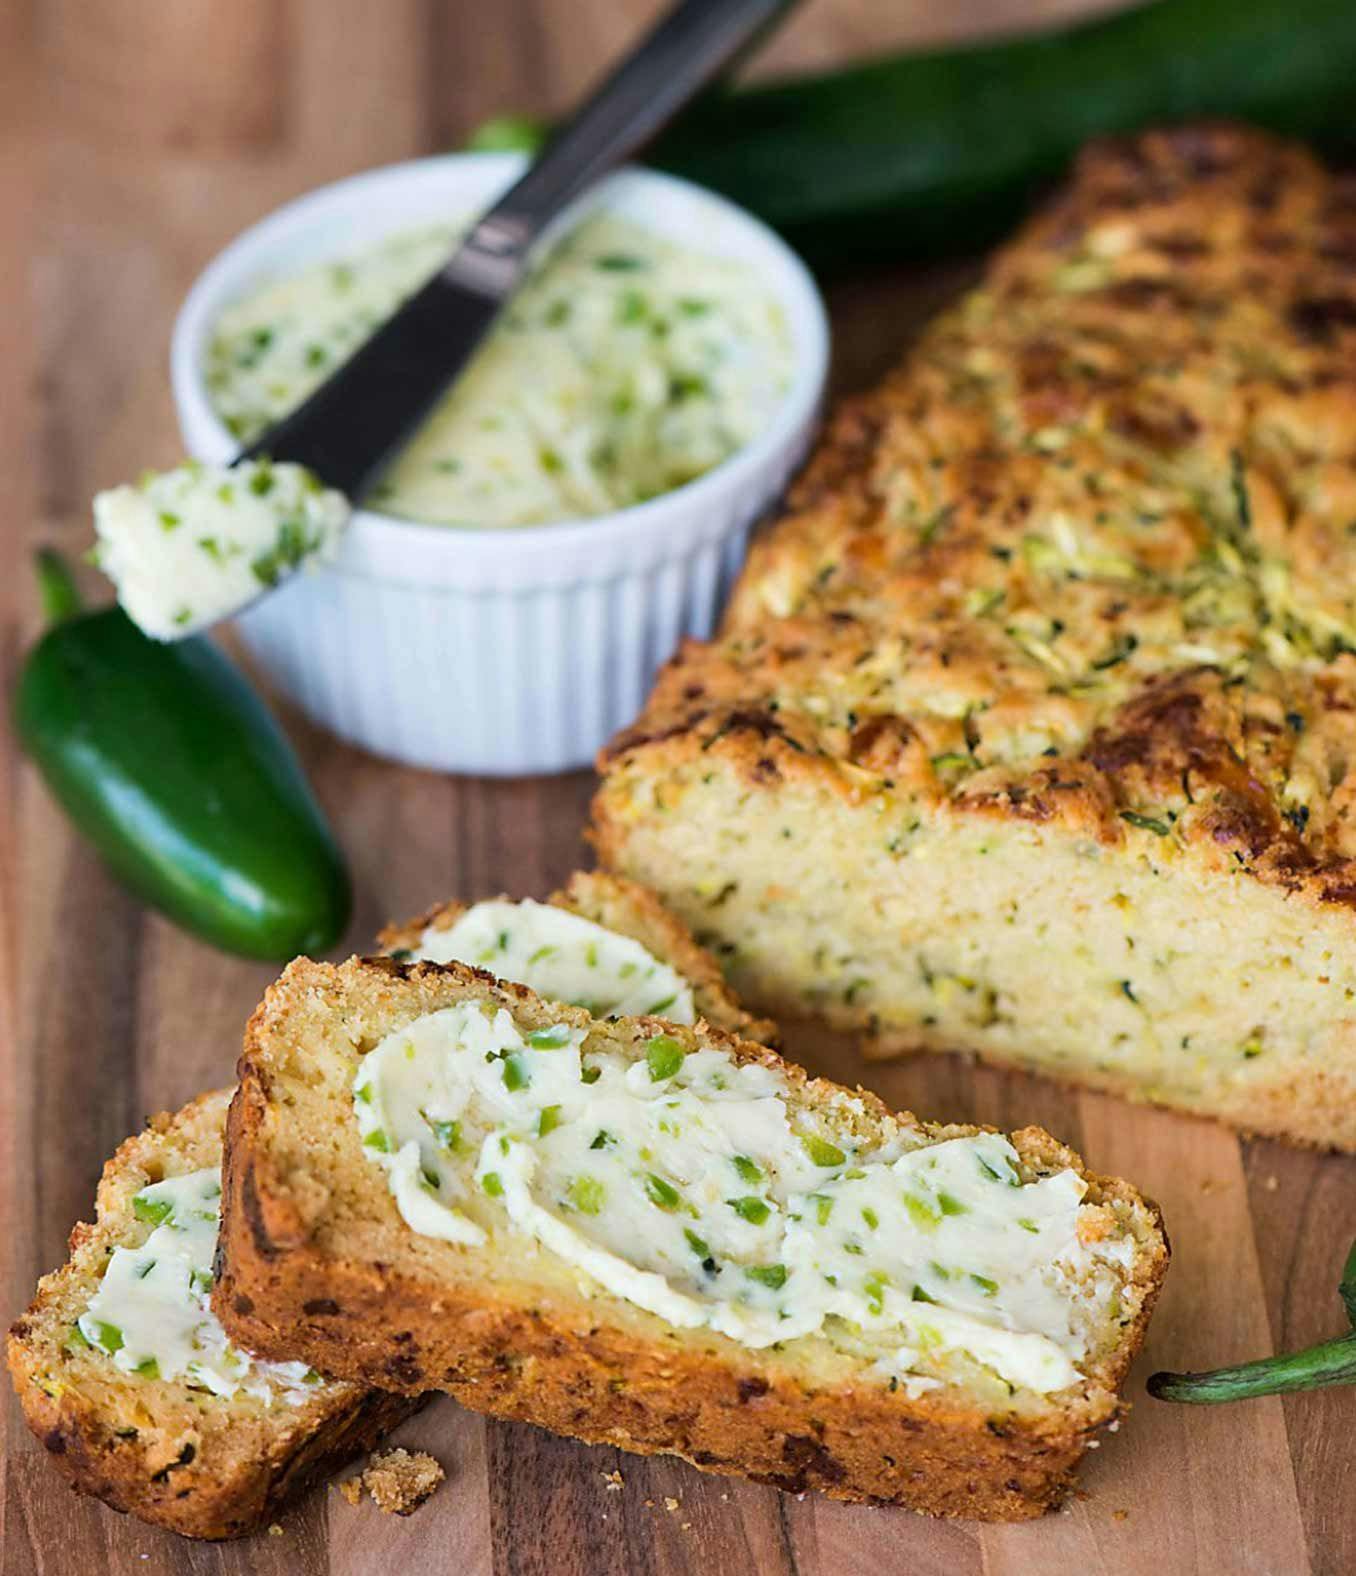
670	1240
169	1450
618	905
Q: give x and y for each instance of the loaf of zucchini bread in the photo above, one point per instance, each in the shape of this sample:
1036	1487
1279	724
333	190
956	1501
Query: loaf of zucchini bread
665	1238
1031	729
121	1370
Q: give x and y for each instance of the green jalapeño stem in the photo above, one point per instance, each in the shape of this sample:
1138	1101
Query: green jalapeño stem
1332	1362
1328	1363
56	586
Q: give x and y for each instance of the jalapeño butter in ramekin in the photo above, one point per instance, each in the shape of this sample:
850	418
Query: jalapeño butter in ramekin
647	395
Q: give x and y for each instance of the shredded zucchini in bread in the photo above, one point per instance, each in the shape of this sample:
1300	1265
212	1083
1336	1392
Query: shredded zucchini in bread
1031	729
667	1238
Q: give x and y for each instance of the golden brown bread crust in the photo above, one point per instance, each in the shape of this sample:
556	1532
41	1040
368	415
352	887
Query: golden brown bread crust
195	1473
582	1368
1086	561
197	1503
631	910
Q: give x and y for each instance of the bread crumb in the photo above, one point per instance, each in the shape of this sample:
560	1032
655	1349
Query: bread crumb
1120	1515
1095	1224
274	1530
670	1504
613	1482
399	1481
1271	1183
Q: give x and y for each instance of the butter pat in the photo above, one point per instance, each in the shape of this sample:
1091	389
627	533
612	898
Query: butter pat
151	1314
692	1186
193	545
564	957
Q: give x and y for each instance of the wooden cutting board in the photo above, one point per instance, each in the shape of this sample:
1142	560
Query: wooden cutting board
134	139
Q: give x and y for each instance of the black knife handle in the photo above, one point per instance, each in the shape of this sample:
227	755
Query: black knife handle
686	48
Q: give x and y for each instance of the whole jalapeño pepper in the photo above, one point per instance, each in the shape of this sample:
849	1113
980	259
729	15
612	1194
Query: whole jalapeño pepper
168	762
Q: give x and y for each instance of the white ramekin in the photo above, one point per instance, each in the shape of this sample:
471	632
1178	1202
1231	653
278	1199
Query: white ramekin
501	651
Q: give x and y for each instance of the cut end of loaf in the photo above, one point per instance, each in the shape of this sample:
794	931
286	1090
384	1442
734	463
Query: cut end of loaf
1115	962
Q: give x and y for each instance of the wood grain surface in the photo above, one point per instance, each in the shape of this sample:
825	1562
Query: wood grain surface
136	136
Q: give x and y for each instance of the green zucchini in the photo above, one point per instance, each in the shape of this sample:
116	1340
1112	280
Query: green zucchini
941	152
169	763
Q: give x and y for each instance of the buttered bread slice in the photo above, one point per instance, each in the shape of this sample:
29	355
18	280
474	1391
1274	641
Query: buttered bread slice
601	942
668	1239
131	1384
